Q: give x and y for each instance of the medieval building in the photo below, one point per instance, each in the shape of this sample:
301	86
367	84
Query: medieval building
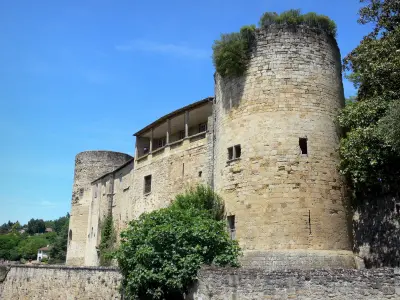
266	142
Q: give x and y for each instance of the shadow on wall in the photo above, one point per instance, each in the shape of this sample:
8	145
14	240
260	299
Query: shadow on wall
231	90
376	227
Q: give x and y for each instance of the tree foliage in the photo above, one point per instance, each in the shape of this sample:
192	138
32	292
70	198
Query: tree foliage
15	245
58	251
370	157
161	252
36	226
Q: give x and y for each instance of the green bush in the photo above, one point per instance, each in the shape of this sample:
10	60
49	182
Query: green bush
161	252
231	52
294	17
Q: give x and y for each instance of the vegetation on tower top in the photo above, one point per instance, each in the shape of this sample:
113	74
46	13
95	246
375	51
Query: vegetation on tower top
231	53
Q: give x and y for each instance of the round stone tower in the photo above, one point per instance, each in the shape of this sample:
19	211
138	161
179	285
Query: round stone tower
276	152
89	165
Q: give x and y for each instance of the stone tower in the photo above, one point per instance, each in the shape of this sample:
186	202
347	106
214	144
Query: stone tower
276	152
89	166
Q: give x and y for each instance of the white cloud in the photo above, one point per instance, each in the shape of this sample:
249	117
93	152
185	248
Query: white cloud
47	203
174	49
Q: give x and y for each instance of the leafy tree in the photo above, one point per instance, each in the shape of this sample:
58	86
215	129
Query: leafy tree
8	246
161	252
36	226
28	247
58	251
369	151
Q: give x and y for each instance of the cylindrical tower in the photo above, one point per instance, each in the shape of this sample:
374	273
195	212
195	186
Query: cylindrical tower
89	165
276	152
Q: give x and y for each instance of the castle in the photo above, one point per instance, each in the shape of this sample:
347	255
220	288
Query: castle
267	143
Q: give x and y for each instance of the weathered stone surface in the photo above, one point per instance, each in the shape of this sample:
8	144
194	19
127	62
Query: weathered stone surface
336	284
283	199
60	282
89	165
376	230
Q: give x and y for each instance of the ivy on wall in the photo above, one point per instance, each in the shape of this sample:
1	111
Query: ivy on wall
108	239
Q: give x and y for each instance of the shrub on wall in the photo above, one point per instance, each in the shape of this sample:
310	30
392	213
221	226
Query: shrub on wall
231	52
108	239
294	17
162	251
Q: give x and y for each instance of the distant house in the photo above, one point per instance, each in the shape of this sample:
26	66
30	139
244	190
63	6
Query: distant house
48	230
43	253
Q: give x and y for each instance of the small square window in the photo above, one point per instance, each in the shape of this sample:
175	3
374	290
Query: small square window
181	134
303	145
238	151
202	127
200	173
147	184
230	153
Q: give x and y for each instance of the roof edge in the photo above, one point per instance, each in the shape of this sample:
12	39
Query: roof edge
174	113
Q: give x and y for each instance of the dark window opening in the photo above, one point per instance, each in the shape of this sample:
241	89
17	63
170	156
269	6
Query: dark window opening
309	221
303	145
202	127
238	151
183	169
397	208
230	153
162	142
70	235
231	226
145	150
147	184
200	173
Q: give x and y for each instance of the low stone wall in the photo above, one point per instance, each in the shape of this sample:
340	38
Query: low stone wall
60	282
255	284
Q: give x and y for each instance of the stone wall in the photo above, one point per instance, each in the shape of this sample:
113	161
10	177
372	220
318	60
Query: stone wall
283	199
335	284
376	226
61	282
173	169
56	282
89	166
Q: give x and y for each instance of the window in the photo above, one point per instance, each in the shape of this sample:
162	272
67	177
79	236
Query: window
200	173
303	145
238	151
202	127
230	153
231	226
181	134
95	191
162	142
234	152
70	235
147	184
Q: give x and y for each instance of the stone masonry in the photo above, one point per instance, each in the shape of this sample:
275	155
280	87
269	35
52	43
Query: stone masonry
285	203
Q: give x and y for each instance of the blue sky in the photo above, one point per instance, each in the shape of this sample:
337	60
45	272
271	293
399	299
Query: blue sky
82	75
